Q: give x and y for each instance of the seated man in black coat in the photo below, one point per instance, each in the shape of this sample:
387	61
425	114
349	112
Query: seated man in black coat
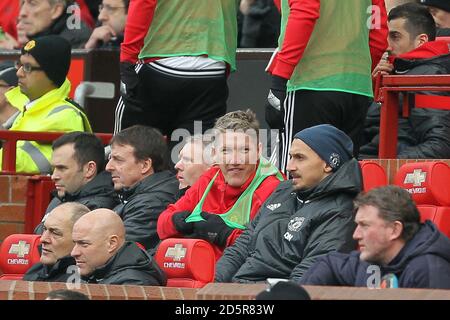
78	162
56	263
138	166
305	217
425	134
103	256
396	250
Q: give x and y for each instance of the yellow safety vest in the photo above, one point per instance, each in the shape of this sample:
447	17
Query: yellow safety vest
50	113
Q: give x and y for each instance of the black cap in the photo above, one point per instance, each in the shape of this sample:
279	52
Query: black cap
284	290
8	73
53	53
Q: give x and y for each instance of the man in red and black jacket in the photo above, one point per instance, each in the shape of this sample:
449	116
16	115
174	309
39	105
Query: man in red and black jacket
229	195
413	51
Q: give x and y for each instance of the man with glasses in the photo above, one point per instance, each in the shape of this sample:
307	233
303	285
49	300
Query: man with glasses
112	15
42	97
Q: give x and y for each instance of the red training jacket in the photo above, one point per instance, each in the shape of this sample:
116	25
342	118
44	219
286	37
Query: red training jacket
303	17
220	199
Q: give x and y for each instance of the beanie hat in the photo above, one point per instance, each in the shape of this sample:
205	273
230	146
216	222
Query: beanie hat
284	290
53	53
330	144
8	73
441	4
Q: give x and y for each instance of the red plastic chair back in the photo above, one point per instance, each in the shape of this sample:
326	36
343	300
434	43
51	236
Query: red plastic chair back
187	262
18	253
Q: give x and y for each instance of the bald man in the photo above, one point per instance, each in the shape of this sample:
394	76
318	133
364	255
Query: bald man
57	244
103	256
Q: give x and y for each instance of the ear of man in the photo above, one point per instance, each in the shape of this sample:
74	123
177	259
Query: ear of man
57	10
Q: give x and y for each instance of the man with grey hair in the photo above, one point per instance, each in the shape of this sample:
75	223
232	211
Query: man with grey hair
57	244
103	256
53	17
194	160
227	196
393	243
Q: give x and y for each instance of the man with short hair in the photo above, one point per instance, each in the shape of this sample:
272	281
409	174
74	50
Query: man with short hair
103	256
42	96
413	50
194	160
113	15
229	195
138	166
53	17
406	253
78	162
305	217
57	244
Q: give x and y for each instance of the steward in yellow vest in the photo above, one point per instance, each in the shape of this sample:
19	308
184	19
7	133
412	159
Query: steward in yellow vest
42	98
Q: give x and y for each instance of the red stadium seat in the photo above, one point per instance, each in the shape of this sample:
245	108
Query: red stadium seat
428	183
18	253
373	175
188	263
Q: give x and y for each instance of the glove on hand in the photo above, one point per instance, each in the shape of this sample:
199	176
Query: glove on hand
180	224
274	107
212	229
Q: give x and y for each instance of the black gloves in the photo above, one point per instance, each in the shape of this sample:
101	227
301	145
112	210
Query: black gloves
275	101
213	229
129	81
180	224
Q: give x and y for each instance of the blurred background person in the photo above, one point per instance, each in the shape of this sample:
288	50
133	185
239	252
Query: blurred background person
8	80
112	17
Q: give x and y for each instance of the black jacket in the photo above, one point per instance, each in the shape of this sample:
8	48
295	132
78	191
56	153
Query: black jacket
97	193
76	35
142	204
293	229
55	273
426	133
424	262
131	265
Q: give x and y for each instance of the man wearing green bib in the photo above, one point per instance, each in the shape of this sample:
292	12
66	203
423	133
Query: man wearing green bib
227	196
321	71
174	62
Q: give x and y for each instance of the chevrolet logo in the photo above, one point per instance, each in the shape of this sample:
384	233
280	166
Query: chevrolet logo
177	252
416	178
21	249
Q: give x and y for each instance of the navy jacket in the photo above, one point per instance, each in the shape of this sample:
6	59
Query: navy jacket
424	262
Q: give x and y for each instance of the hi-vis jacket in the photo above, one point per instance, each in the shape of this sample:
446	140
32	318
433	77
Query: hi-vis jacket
51	112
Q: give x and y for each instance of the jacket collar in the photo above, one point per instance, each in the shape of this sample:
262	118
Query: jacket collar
428	50
144	185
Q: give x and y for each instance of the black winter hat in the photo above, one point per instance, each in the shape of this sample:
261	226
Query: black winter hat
331	144
53	53
284	290
440	4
